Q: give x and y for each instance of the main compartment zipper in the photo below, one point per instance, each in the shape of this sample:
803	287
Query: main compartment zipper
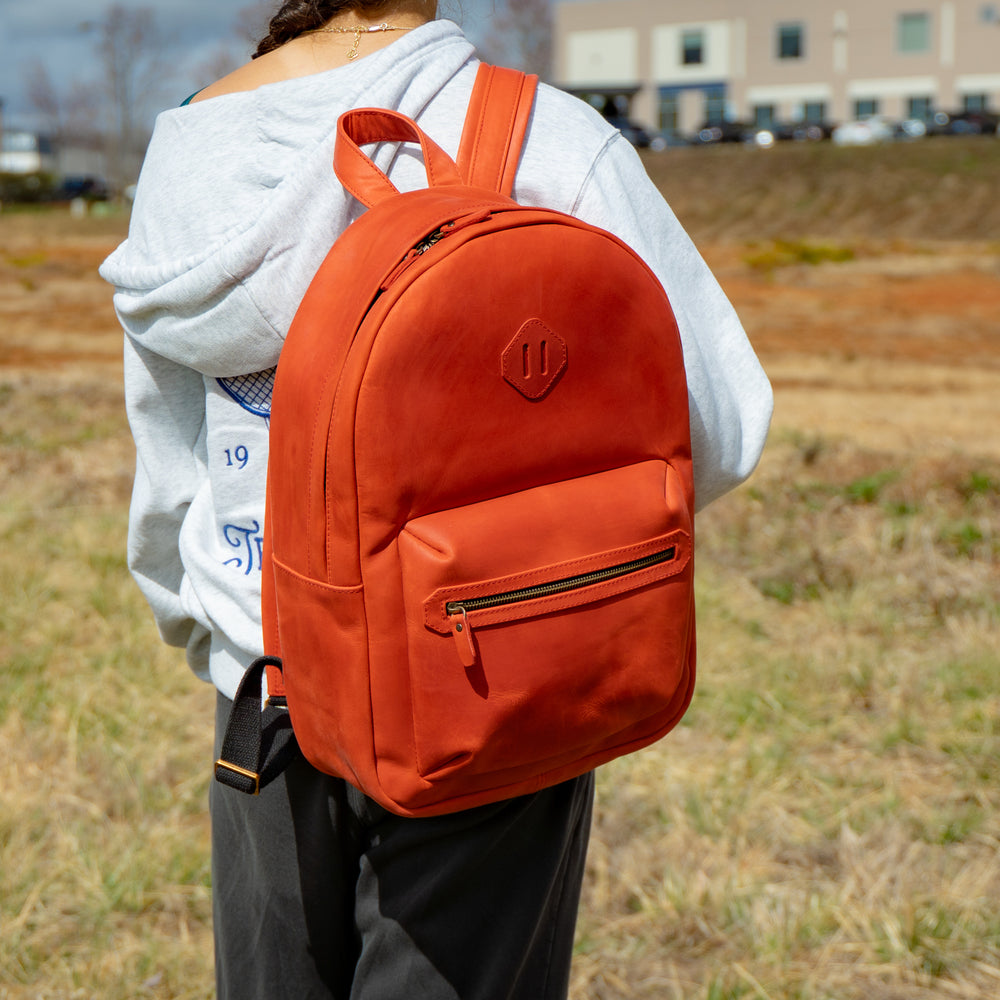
431	239
459	610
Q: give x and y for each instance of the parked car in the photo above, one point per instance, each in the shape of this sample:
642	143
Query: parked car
791	132
911	128
814	131
658	141
729	131
632	131
90	188
864	132
963	123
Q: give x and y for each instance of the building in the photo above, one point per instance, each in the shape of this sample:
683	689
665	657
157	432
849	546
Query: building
24	152
674	65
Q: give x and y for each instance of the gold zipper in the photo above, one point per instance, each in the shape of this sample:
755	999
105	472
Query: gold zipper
558	586
458	611
430	240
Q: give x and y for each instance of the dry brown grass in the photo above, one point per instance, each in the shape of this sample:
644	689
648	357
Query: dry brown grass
825	825
940	189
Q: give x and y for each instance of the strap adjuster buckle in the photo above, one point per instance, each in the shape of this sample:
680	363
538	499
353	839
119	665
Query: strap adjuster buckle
239	777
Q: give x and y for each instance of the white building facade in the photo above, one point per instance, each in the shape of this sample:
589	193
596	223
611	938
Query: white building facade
677	64
24	152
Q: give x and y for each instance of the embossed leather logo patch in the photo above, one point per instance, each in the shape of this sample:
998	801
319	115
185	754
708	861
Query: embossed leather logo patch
533	361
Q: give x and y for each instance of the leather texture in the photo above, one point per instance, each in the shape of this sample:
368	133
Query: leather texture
477	590
495	127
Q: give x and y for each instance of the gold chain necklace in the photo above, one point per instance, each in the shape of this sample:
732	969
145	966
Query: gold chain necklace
357	30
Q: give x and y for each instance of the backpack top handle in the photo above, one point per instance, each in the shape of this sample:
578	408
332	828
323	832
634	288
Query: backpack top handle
489	150
355	169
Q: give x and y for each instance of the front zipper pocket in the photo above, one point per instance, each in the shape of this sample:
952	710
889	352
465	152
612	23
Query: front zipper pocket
547	622
586	586
550	548
558	586
553	588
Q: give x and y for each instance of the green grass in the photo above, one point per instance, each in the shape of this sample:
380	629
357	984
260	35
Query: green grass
105	737
823	822
788	253
823	825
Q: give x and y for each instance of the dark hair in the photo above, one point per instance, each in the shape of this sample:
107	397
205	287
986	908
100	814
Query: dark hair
296	16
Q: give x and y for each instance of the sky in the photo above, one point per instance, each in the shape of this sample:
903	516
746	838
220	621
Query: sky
192	33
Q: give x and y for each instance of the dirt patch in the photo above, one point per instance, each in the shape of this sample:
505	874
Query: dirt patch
54	308
897	349
929	309
898	346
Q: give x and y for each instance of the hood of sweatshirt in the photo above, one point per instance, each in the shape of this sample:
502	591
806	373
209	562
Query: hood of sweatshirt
210	246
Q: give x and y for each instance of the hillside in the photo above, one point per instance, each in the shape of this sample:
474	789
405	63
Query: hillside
934	189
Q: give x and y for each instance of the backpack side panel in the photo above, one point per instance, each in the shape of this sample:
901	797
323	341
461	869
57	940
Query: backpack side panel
326	668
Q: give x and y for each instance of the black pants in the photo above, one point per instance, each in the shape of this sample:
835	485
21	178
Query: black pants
318	892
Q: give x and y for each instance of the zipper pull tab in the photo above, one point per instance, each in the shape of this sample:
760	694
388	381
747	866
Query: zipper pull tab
461	630
410	257
474	218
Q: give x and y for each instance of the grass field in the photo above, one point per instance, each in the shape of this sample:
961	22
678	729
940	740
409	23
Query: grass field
824	825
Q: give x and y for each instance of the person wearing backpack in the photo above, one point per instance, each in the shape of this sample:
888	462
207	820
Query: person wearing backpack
318	890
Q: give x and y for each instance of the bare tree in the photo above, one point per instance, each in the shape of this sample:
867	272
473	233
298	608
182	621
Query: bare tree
250	26
222	61
43	97
71	116
521	36
129	47
82	110
252	21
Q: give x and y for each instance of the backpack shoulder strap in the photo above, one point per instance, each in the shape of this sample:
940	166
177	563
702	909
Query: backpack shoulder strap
495	126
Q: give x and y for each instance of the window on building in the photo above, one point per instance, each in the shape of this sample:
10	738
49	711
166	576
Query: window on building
791	41
715	105
975	102
919	107
913	33
20	142
814	111
763	115
693	47
670	113
865	107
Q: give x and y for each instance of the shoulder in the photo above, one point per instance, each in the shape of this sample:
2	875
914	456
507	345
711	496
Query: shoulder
569	122
567	131
567	142
269	68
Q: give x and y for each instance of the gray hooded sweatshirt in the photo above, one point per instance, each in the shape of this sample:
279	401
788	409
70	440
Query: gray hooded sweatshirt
236	207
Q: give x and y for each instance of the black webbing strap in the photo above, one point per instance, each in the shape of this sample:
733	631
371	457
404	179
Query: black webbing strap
258	745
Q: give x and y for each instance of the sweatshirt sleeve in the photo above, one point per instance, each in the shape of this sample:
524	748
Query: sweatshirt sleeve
165	403
729	395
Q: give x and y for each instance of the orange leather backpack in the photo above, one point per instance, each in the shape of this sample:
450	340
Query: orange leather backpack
478	575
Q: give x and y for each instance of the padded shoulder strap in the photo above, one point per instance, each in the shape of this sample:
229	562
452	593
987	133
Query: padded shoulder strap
495	126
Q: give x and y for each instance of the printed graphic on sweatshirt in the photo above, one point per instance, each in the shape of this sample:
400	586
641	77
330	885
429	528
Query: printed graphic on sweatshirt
252	392
249	545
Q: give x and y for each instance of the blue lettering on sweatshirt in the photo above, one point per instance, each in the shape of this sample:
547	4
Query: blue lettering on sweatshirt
250	542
